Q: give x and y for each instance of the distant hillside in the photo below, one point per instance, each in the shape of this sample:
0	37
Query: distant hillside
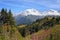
47	28
44	24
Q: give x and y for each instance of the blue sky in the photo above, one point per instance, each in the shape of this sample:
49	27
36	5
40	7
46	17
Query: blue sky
20	5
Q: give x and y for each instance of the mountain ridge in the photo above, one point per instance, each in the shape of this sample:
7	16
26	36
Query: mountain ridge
31	15
36	12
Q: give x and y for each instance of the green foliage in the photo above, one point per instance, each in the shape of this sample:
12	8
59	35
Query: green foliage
8	28
7	17
44	24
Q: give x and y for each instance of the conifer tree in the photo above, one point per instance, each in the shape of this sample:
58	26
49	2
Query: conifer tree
6	17
11	19
2	15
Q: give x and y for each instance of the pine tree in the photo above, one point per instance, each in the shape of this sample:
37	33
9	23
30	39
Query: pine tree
7	24
7	17
3	16
11	19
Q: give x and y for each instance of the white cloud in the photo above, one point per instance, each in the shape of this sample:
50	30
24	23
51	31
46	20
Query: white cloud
11	4
46	3
49	4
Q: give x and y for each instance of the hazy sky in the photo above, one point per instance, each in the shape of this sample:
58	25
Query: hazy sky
19	5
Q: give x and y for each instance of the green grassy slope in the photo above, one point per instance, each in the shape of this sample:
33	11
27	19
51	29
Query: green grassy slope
50	33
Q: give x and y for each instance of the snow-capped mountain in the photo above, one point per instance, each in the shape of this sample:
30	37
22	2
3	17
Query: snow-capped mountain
30	12
51	12
28	16
31	15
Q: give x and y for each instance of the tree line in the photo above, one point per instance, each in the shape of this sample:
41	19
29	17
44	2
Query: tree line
6	17
7	25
